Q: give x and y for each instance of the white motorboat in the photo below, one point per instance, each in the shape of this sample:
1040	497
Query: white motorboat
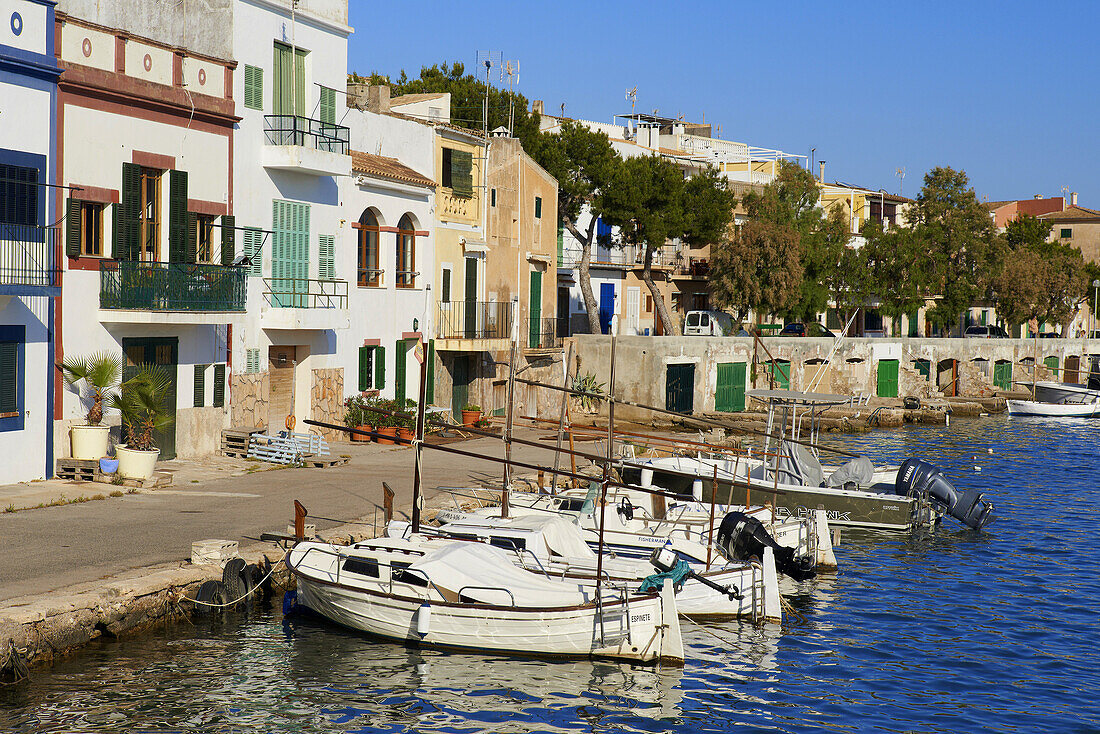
472	596
1053	410
1048	391
554	546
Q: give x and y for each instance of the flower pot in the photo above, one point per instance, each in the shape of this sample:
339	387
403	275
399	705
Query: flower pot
358	438
89	442
407	434
136	464
387	435
108	466
470	417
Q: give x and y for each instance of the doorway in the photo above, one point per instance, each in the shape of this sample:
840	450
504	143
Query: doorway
164	352
280	405
607	306
680	388
460	384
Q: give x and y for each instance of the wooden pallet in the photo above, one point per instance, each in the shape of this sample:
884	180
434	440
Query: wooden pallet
79	470
235	441
159	479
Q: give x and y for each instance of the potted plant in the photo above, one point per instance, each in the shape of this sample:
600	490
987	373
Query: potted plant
406	427
356	416
142	401
387	424
93	377
471	414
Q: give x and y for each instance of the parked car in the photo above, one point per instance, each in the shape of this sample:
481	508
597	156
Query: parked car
708	323
811	329
985	332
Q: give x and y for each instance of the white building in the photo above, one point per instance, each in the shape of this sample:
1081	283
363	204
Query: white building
28	244
146	119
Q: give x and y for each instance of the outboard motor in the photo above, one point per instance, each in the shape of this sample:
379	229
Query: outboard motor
741	537
917	477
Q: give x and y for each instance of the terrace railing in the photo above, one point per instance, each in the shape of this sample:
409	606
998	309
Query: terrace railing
475	320
307	132
544	333
28	257
156	286
306	293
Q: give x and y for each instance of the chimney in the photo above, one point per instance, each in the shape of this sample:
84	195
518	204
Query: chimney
1038	196
821	171
357	94
537	107
1073	198
378	98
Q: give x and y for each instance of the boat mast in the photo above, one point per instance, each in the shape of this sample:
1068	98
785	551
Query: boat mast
606	469
417	499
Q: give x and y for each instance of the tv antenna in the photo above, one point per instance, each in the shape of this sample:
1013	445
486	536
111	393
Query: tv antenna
511	68
485	58
900	173
632	97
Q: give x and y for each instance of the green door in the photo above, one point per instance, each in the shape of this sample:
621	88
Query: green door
289	254
470	317
781	373
399	356
289	96
887	378
535	311
1052	365
1002	375
163	351
913	323
924	367
729	396
680	388
460	385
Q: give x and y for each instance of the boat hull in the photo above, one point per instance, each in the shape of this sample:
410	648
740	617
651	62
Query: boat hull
1052	410
1064	392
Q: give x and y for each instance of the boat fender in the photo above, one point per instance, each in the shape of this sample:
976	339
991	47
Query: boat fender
290	603
231	578
741	538
921	478
211	592
424	619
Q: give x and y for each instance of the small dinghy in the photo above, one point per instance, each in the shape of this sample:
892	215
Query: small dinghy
471	596
1053	410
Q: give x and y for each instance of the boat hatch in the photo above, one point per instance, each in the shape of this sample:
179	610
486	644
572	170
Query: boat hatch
399	574
508	543
571	504
362	566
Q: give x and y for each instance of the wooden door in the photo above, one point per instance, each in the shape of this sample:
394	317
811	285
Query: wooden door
887	378
460	384
1072	372
607	306
534	310
470	317
680	388
282	361
729	394
162	351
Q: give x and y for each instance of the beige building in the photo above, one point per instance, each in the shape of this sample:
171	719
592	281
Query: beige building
1075	225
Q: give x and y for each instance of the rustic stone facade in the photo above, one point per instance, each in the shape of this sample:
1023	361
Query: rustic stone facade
327	401
250	397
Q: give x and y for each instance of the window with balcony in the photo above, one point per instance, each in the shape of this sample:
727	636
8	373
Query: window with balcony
406	253
149	215
369	272
206	250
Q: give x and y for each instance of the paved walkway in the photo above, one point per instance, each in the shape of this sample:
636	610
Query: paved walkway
45	549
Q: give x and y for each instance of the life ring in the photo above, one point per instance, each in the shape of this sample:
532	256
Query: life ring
290	421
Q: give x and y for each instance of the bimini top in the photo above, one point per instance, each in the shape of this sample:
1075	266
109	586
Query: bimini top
796	397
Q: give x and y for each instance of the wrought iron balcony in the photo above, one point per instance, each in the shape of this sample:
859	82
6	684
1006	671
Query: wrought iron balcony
306	132
155	286
475	320
545	333
693	267
28	259
306	293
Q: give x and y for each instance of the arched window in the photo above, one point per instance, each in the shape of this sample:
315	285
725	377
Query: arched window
370	272
406	252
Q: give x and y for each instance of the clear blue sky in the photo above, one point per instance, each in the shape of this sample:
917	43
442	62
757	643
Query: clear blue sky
1006	91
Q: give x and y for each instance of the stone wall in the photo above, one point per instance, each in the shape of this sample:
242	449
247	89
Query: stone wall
249	394
327	400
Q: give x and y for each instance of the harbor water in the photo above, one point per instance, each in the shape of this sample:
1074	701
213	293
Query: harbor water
957	631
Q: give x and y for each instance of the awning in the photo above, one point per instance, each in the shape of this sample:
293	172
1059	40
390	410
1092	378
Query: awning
474	245
538	257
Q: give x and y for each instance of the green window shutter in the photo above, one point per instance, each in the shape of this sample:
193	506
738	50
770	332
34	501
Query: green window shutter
429	392
462	166
253	87
326	257
399	374
200	385
229	239
253	246
379	368
219	385
180	226
328	106
366	356
129	233
538	207
446	290
72	227
492	197
9	377
534	311
116	230
190	240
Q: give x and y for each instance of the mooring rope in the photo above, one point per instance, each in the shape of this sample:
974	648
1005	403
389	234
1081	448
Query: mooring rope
238	600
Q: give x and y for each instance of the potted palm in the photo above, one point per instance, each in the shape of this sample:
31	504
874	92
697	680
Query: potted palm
143	404
94	378
471	414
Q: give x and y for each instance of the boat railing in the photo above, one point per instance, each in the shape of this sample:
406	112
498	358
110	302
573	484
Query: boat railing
340	557
488	588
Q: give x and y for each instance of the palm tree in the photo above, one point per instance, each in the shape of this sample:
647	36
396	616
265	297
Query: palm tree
143	405
99	373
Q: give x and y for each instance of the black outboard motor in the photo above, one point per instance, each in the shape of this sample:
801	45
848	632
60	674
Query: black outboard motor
741	537
916	477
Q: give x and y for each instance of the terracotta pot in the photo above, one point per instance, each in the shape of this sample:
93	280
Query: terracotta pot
390	432
470	417
357	438
407	434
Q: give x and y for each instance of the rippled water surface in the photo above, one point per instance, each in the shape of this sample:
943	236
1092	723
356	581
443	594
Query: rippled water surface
954	632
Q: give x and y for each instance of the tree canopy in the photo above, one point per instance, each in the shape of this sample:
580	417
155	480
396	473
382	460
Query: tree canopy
1040	279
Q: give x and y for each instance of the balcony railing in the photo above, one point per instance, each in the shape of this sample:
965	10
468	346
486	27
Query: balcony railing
154	286
28	257
306	293
475	320
307	132
694	267
545	333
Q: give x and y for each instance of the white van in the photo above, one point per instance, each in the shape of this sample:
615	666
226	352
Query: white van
708	323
